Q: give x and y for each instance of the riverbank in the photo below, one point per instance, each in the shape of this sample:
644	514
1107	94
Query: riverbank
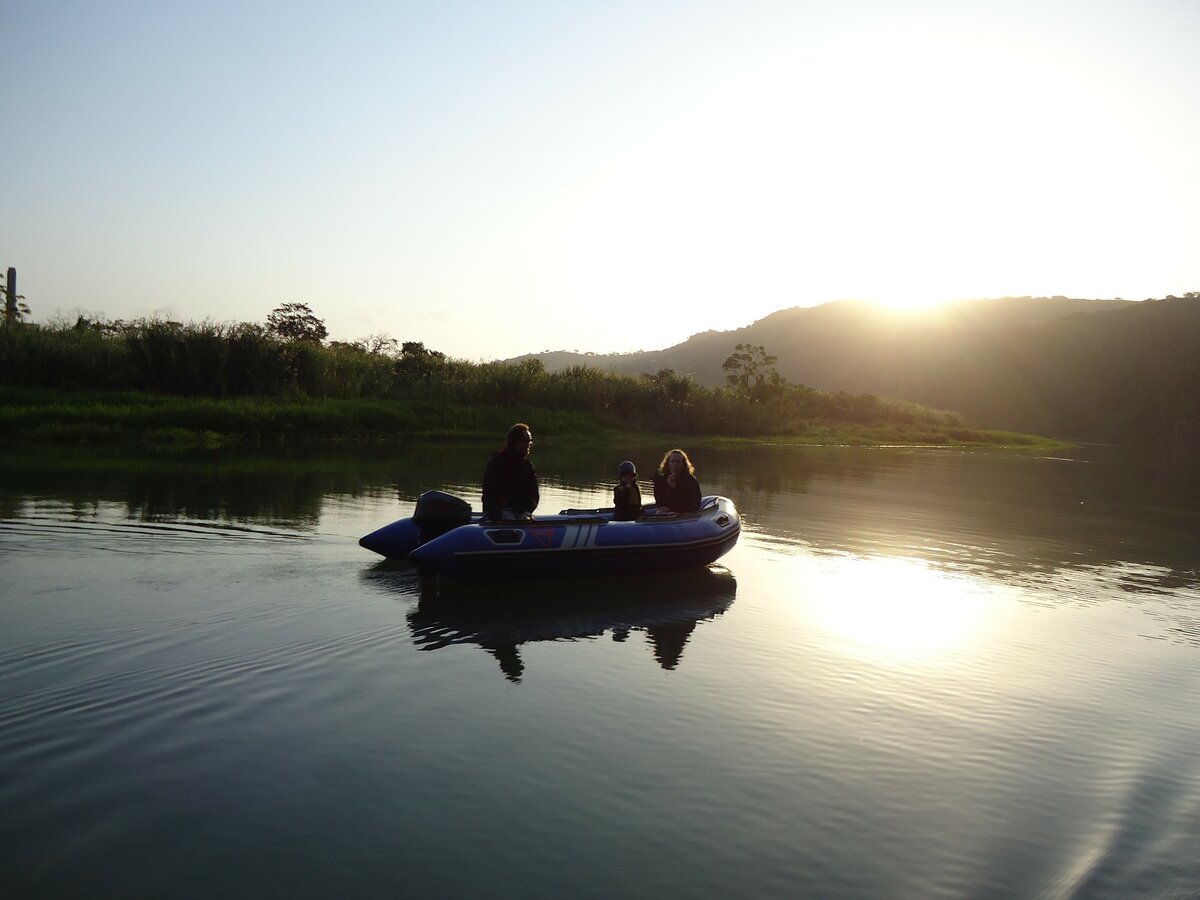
43	415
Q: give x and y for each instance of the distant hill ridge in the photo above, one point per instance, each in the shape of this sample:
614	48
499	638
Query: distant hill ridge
1106	370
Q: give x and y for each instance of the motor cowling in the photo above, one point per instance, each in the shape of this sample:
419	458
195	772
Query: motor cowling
438	512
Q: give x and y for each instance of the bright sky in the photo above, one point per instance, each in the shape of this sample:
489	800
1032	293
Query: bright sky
498	178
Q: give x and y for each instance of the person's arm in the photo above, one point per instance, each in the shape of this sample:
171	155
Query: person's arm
662	496
693	494
493	490
534	496
660	489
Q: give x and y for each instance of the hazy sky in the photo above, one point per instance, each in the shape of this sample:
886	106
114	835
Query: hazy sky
498	178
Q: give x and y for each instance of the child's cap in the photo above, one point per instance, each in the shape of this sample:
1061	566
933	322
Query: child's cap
627	468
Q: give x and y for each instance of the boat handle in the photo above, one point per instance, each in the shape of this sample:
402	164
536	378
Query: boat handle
505	535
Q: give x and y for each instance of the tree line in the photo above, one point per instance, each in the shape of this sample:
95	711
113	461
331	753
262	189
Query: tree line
289	357
1111	371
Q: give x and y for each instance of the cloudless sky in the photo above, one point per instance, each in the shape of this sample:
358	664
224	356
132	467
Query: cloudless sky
499	178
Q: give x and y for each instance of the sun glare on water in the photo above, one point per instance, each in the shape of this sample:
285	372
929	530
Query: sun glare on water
901	608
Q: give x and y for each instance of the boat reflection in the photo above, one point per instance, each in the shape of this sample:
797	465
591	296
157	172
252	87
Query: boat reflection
500	618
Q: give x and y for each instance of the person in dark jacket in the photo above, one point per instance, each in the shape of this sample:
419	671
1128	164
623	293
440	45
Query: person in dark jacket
676	489
510	485
627	496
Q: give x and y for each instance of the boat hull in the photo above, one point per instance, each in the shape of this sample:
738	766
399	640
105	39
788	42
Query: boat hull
572	544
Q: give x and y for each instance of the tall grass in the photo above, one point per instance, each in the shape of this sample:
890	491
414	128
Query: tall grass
410	389
63	357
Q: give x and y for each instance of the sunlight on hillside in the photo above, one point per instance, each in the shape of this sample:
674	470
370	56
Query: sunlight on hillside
901	301
897	607
840	171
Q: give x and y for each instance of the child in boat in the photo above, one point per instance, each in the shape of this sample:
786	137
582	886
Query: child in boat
627	496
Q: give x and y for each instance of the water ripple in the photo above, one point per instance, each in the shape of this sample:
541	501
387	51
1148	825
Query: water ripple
56	534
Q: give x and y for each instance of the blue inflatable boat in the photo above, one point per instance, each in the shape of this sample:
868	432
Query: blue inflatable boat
444	537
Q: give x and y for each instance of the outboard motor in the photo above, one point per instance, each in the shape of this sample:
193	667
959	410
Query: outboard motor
438	512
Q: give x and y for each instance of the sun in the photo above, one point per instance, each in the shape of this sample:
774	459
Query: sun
908	301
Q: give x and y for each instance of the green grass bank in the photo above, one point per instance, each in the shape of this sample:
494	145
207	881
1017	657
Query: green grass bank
45	415
218	384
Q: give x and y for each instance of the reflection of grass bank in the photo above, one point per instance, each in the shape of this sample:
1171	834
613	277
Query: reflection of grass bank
54	416
840	435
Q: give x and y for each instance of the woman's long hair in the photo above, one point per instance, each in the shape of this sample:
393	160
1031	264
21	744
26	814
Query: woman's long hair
687	463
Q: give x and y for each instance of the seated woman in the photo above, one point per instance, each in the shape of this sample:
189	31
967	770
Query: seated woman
676	489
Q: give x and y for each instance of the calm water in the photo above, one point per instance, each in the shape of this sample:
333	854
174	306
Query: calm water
920	674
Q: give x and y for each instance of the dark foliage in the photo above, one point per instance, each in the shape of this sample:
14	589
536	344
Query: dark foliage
296	322
245	360
1091	370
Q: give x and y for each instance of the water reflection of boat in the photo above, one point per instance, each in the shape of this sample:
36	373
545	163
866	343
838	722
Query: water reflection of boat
667	608
445	538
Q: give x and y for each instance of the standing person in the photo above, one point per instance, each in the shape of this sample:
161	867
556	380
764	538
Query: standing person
510	485
676	489
627	496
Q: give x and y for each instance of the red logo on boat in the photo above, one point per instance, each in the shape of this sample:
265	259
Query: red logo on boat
544	536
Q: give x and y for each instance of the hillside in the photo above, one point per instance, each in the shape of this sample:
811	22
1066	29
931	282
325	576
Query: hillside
1095	370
